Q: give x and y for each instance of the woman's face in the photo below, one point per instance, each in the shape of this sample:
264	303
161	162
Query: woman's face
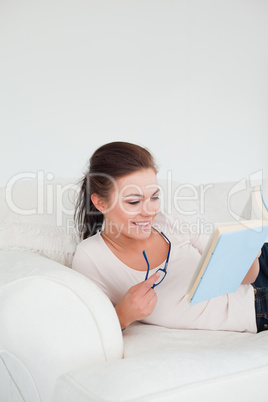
133	205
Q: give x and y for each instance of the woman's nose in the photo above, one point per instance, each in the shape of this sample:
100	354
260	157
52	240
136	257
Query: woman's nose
149	208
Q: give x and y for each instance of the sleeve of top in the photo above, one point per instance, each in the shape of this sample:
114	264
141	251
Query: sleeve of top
182	229
199	241
85	265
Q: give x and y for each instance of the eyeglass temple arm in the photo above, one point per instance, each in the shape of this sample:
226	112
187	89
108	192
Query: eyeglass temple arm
146	259
169	242
148	265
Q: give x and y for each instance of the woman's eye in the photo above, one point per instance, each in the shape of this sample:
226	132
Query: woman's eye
136	202
133	202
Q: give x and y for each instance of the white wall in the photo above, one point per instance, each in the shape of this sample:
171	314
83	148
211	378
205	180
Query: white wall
186	78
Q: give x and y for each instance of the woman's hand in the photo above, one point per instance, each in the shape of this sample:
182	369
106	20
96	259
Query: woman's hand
253	272
138	303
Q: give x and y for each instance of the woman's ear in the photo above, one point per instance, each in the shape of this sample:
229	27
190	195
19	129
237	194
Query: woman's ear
98	202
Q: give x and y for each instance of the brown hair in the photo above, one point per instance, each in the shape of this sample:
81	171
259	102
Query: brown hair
108	163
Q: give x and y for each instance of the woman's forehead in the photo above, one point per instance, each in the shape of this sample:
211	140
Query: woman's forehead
138	182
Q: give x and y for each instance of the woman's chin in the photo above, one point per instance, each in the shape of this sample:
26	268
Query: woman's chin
141	232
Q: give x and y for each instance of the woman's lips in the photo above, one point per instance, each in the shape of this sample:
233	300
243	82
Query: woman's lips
143	224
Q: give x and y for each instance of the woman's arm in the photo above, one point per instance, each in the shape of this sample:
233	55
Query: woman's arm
137	303
253	271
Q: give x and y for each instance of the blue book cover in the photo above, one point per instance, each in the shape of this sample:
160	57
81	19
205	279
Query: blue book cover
229	255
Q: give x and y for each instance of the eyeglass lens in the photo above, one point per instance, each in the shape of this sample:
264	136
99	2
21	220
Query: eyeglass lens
161	277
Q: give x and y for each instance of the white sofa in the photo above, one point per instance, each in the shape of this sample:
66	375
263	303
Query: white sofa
60	339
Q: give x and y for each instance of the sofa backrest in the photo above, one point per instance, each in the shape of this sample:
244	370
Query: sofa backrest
37	214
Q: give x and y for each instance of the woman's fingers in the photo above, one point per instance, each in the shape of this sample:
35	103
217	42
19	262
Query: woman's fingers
138	302
143	287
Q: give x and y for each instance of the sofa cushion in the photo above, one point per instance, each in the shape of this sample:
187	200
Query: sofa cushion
254	207
37	215
163	364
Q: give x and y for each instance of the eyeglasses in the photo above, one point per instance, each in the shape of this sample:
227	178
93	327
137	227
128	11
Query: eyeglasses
162	271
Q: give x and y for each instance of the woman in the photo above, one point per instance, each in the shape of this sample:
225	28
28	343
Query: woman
122	243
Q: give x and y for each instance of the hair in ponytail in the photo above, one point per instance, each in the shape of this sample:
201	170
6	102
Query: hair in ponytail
108	163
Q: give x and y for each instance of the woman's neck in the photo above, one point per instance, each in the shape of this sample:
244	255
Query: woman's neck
130	251
121	242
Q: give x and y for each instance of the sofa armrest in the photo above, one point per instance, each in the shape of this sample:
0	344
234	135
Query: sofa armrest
53	319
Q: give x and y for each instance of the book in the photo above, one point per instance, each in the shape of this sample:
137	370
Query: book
229	254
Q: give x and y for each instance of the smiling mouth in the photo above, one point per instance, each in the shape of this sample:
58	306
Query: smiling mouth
142	224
